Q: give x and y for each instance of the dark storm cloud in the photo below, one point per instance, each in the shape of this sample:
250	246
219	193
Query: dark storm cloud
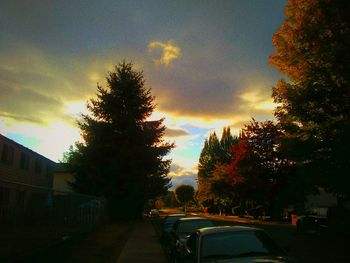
202	97
52	48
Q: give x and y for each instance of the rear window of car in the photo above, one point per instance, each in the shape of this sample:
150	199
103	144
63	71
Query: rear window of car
172	219
239	244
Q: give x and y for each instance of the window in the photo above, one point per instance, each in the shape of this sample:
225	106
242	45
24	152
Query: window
239	244
38	166
7	154
24	161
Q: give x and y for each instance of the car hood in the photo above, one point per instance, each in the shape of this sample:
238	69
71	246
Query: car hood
260	259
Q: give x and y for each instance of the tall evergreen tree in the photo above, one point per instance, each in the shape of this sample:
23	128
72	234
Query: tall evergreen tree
312	49
226	142
122	157
214	153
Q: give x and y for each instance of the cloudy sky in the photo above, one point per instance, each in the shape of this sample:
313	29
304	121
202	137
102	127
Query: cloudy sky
206	62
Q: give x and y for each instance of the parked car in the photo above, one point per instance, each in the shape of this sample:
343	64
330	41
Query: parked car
169	221
167	226
153	212
231	244
324	220
182	228
312	224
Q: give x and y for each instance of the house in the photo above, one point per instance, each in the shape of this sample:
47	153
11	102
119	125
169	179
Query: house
34	190
26	179
18	164
61	177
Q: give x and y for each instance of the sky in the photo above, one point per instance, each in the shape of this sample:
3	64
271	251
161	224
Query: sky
206	63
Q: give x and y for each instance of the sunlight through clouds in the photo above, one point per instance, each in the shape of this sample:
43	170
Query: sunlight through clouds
52	140
76	108
48	72
255	99
169	51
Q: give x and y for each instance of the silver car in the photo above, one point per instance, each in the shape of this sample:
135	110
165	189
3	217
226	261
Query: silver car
231	244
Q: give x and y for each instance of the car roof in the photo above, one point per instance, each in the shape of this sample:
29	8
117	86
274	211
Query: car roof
192	219
174	215
225	229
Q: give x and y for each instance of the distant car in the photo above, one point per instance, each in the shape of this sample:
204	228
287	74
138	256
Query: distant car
182	228
231	244
153	212
313	221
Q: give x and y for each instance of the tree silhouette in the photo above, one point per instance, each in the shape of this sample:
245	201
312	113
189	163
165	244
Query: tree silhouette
122	156
312	49
184	194
214	154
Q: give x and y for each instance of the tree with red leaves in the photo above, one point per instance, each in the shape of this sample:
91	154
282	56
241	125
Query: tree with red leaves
257	173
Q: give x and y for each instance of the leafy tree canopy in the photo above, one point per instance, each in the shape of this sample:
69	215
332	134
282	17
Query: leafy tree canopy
312	50
257	171
184	193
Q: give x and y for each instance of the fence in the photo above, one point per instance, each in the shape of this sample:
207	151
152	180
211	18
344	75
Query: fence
23	204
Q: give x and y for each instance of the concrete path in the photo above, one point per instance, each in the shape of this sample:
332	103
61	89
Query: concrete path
143	245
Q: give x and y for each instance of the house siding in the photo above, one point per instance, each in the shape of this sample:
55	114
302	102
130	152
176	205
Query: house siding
24	165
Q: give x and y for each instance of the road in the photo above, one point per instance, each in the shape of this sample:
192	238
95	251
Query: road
304	247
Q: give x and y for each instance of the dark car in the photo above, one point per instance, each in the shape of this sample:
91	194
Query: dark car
153	213
312	224
182	228
231	244
168	224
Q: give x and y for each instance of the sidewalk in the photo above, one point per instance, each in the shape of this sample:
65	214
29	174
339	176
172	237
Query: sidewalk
143	245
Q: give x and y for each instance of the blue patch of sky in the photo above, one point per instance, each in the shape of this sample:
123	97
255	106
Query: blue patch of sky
29	142
195	130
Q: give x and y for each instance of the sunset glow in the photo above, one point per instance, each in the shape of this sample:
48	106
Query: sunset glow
206	71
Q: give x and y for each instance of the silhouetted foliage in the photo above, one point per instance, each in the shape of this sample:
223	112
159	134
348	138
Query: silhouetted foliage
122	156
169	200
214	153
312	49
257	172
184	193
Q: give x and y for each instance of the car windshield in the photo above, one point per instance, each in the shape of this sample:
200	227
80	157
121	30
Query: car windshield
187	227
238	244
